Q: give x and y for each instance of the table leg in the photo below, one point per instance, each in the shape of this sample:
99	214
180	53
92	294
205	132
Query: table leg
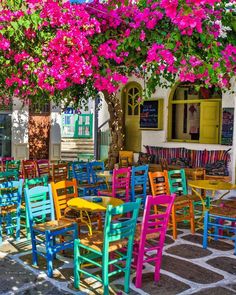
87	222
200	220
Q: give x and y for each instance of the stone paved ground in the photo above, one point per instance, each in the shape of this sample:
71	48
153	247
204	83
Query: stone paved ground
186	269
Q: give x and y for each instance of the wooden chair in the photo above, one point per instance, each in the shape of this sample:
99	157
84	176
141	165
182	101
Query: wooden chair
13	165
164	164
59	172
63	191
220	223
29	183
126	158
43	168
12	175
82	173
120	184
182	208
39	202
153	227
3	162
139	178
29	169
10	205
103	246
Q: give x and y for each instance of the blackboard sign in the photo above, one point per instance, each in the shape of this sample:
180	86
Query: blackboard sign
227	126
151	114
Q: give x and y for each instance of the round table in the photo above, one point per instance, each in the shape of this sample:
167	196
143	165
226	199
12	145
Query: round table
92	204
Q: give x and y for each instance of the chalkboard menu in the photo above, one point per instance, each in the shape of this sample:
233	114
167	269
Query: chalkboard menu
227	126
151	113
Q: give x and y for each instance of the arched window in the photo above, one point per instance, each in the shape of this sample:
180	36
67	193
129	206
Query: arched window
194	116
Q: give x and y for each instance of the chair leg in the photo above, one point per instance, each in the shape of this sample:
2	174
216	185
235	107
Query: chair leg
76	264
18	226
139	267
174	223
105	278
34	249
158	265
205	230
128	266
0	229
192	222
49	254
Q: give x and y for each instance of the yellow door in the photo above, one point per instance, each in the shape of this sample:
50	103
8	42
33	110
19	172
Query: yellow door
209	122
132	132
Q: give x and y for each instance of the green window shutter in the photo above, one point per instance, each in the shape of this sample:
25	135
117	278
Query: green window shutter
209	122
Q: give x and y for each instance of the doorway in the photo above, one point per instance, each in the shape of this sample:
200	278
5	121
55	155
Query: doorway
5	134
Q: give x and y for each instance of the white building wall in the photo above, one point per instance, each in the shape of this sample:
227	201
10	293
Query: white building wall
159	137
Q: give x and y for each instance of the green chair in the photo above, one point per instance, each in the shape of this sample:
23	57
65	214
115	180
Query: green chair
29	183
13	165
12	175
102	249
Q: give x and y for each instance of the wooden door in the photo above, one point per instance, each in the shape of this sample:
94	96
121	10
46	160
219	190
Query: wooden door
39	131
209	122
132	112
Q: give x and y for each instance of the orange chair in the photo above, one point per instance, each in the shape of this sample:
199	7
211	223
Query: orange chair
59	172
183	205
29	169
63	191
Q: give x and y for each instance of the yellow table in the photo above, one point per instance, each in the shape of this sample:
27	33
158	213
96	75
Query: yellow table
91	204
107	175
210	185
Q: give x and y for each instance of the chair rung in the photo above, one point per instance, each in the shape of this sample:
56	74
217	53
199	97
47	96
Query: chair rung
91	261
116	271
90	275
222	226
222	236
118	259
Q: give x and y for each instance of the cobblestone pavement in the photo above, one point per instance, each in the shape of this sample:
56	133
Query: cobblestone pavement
186	269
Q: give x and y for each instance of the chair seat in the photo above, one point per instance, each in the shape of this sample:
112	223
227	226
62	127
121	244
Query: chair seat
229	203
150	236
8	209
182	200
86	185
225	211
53	225
109	191
96	242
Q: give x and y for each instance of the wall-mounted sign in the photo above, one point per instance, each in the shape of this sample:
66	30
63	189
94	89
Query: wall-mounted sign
151	114
227	126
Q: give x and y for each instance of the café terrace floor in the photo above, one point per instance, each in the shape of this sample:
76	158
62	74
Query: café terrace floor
186	269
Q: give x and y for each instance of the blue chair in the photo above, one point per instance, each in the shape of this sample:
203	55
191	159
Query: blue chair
82	173
97	166
102	249
220	223
39	204
139	178
10	206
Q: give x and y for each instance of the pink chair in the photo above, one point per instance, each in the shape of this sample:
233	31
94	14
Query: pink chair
120	184
153	227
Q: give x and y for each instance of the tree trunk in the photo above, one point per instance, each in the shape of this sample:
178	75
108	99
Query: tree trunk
116	128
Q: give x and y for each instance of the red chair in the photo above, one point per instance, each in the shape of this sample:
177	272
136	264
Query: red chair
120	184
3	162
153	227
43	168
29	169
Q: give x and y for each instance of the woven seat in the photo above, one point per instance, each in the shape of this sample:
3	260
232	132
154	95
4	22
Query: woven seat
225	211
229	203
53	225
96	242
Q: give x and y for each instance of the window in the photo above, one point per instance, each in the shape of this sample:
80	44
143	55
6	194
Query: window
194	116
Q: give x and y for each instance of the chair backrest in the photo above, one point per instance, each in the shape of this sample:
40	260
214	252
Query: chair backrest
126	158
3	162
62	192
153	222
39	204
121	180
139	177
177	182
9	175
81	172
43	167
11	193
117	229
29	183
59	172
13	165
29	169
159	183
96	166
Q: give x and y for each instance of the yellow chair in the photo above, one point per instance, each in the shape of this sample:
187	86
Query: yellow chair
126	158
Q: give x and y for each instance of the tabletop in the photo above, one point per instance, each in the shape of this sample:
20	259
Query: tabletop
93	203
211	185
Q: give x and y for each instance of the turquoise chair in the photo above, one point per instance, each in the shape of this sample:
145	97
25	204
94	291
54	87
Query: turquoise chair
13	165
10	206
29	183
47	235
12	175
101	249
139	178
